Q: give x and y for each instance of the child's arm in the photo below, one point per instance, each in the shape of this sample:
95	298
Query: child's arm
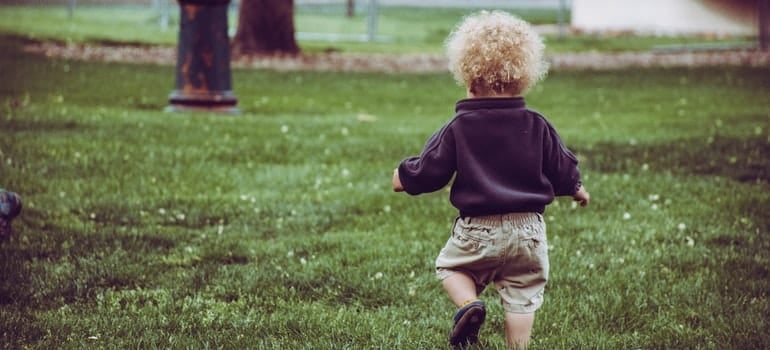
397	187
581	196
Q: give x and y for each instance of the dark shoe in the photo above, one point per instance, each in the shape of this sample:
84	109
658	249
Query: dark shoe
468	321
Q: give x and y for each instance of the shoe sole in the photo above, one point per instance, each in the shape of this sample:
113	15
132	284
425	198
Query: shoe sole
466	329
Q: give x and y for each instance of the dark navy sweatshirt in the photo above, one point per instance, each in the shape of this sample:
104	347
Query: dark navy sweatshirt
504	158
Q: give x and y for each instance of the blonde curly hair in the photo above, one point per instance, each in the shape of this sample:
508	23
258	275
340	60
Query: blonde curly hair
496	53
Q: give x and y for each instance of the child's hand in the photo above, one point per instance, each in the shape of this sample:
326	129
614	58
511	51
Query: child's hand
397	187
582	196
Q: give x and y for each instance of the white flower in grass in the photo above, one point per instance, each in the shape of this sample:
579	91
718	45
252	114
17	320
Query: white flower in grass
378	275
689	241
284	128
303	261
654	206
180	216
681	226
162	211
345	172
653	197
645	167
344	131
386	209
626	216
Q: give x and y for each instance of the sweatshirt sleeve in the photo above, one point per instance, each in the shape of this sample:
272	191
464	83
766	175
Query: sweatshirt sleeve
560	165
433	168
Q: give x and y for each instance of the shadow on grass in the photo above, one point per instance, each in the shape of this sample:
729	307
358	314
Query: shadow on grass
742	159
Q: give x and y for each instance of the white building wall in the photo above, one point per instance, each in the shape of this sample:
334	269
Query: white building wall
660	17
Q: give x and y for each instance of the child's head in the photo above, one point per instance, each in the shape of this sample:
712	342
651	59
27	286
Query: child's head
495	53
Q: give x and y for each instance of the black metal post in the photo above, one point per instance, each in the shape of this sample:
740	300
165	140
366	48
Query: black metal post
203	80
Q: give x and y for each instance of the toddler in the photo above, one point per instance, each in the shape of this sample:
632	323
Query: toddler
507	163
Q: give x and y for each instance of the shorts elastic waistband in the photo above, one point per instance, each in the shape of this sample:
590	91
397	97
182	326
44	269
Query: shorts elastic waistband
513	218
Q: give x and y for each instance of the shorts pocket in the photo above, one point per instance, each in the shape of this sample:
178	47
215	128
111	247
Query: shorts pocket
534	238
470	237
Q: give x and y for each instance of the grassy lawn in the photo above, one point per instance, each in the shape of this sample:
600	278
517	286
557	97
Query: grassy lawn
401	30
277	228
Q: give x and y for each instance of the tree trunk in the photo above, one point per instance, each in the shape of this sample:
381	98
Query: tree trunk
265	27
351	8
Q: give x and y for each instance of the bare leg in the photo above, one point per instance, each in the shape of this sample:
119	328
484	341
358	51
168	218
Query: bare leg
518	329
460	288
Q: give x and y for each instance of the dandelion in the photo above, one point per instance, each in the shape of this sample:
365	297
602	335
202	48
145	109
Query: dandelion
654	206
364	117
290	254
162	211
681	226
626	216
345	172
653	197
378	275
180	216
386	209
690	242
344	131
645	167
93	216
303	261
284	128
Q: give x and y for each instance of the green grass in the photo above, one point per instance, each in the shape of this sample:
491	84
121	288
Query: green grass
399	29
277	228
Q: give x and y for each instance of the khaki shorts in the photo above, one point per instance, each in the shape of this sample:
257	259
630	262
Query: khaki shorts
509	250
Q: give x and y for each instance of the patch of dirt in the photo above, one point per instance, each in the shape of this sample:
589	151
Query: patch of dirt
411	63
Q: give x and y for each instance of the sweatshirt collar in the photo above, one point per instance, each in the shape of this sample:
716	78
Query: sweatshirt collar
470	104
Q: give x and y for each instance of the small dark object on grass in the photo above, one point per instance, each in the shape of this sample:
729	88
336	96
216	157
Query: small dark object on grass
10	207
